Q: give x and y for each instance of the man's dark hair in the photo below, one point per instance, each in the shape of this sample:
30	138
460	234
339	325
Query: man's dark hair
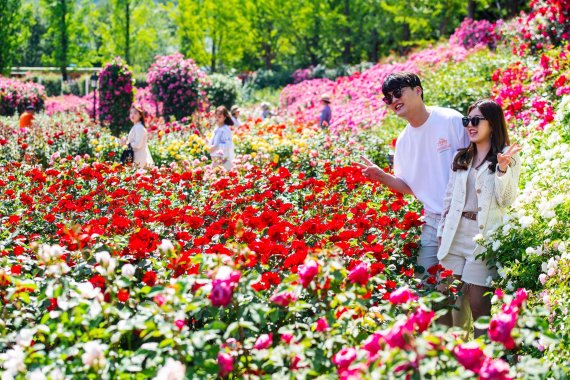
399	80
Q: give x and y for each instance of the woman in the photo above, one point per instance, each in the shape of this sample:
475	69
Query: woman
138	137
483	183
221	145
235	111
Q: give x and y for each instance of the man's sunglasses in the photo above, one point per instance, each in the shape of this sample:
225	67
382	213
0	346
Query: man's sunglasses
473	120
388	99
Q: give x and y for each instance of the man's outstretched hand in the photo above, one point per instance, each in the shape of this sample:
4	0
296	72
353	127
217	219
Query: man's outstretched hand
370	170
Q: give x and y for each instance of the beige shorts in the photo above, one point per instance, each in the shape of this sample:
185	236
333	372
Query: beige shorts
461	259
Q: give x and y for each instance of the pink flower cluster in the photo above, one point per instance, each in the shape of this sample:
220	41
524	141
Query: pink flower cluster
115	95
15	95
68	103
474	33
356	100
472	357
502	324
223	287
178	84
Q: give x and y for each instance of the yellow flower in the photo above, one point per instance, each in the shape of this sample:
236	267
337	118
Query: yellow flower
276	158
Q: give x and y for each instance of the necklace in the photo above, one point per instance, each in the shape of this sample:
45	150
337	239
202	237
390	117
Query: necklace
477	166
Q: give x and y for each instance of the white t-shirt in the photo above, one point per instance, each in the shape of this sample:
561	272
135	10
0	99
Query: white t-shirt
424	155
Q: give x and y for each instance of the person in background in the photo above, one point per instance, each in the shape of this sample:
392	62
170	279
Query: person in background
483	183
265	112
235	111
326	112
27	117
221	145
138	137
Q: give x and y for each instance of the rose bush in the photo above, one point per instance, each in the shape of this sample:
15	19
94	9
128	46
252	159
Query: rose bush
115	98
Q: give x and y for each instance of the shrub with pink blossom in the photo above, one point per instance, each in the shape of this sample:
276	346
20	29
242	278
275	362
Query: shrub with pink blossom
16	95
472	33
178	84
115	96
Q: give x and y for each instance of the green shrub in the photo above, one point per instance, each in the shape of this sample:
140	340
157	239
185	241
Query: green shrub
458	84
223	90
273	79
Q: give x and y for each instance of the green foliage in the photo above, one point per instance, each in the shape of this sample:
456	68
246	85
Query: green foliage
9	21
223	90
458	84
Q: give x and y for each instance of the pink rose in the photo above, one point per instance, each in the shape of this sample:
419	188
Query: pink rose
359	274
494	369
307	272
470	356
179	323
225	362
287	338
501	327
283	298
263	341
221	294
402	295
399	335
422	318
372	343
322	324
344	357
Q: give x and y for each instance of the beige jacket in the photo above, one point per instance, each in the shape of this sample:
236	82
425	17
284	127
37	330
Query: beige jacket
494	195
138	138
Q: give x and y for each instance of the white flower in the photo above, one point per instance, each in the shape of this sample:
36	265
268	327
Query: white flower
128	270
103	258
510	286
172	370
13	361
562	247
166	246
94	355
37	375
542	278
86	290
25	337
477	237
496	245
47	253
526	221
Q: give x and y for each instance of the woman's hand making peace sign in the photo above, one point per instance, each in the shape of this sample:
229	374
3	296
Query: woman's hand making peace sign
504	159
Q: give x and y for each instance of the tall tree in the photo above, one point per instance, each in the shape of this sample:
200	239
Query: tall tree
9	11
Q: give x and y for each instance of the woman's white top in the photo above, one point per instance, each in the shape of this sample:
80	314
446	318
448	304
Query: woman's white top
223	146
138	138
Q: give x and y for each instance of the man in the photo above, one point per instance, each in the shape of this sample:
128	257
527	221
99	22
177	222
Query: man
27	117
326	113
423	157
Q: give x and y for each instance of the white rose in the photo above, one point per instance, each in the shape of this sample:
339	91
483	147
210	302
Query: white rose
94	355
172	370
37	375
128	270
103	258
86	290
542	278
166	246
13	361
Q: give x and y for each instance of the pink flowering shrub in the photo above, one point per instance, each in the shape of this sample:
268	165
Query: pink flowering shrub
178	84
472	33
115	96
16	95
68	103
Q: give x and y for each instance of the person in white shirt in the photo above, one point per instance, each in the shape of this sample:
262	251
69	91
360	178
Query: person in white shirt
235	111
221	145
483	183
138	137
423	156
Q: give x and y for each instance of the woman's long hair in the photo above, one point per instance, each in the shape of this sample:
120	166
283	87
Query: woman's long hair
140	110
227	117
499	136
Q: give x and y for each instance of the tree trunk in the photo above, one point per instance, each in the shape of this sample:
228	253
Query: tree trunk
127	31
471	9
347	52
63	39
375	53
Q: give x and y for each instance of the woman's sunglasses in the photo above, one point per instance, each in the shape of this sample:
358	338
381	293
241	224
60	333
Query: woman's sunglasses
474	120
388	99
